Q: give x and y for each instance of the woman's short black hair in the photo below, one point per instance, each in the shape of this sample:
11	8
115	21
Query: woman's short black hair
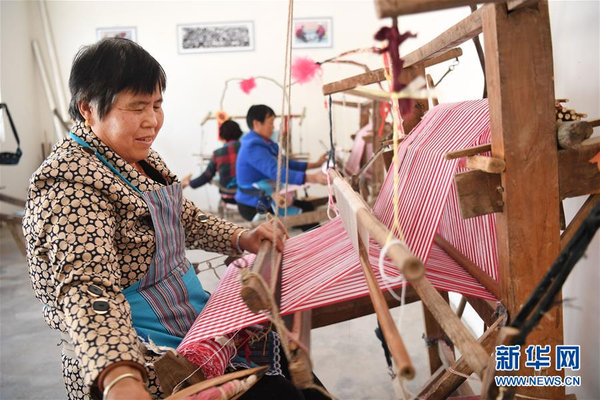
102	70
230	130
258	113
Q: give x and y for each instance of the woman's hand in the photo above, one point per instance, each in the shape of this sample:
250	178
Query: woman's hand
126	388
319	162
185	181
317	178
250	240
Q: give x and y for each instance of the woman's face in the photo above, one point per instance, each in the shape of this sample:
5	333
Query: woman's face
265	129
131	125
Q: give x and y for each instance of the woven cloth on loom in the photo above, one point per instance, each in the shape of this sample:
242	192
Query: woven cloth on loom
321	267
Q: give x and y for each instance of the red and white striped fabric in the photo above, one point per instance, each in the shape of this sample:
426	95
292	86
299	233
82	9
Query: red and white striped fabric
321	267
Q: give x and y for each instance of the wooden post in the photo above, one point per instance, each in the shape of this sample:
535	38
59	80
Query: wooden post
433	332
377	172
386	322
519	70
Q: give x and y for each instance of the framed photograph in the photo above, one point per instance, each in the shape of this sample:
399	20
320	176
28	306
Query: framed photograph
125	32
215	37
312	33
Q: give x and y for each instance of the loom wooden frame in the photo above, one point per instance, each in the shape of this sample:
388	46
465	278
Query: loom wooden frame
517	34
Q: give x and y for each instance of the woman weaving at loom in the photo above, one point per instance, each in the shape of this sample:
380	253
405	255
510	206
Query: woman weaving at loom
107	227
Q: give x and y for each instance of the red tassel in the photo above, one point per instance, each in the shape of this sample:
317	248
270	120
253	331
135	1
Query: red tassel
304	69
247	85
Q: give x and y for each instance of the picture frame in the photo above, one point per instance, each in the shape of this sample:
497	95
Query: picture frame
310	33
127	32
215	37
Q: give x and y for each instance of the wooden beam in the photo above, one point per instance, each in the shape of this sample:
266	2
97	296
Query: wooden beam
356	308
577	175
448	382
253	292
310	217
491	165
12	200
393	8
452	326
351	104
464	30
480	276
300	366
520	78
480	193
434	334
471	151
378	75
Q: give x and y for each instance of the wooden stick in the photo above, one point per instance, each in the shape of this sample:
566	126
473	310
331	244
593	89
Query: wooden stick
594	122
430	84
434	336
489	390
345	311
300	366
578	219
393	8
386	322
408	264
378	75
471	151
449	381
352	104
455	36
220	380
476	357
253	292
491	165
486	281
12	200
210	116
571	134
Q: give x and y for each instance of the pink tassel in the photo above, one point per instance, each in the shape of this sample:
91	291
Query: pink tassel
304	69
247	85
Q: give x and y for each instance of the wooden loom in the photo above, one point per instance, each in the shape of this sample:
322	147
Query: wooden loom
517	35
518	45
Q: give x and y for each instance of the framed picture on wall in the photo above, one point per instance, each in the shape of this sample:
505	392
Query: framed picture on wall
215	37
124	32
312	33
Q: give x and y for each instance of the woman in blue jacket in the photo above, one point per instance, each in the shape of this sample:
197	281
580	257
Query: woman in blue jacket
257	161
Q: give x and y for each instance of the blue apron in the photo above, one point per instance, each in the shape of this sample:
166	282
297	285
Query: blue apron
166	301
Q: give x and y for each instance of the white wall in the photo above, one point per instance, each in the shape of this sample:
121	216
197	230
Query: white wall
195	83
21	89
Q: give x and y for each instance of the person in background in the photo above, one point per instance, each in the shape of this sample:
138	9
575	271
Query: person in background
257	161
223	161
